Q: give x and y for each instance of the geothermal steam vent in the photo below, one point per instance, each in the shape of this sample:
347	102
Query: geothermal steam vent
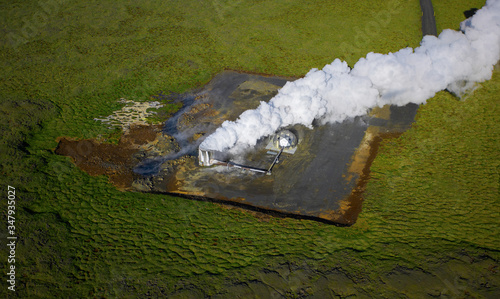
283	141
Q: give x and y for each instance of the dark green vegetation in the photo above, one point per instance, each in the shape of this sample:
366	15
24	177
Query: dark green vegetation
431	208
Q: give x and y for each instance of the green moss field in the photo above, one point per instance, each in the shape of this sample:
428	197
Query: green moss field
430	224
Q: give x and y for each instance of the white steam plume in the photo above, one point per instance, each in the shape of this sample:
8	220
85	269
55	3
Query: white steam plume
408	76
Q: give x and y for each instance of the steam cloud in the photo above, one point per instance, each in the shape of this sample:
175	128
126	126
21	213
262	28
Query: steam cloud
454	61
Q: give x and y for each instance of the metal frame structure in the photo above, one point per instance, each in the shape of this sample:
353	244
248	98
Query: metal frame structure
206	157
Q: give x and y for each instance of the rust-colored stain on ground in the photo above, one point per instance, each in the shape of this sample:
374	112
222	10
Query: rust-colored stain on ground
351	206
114	160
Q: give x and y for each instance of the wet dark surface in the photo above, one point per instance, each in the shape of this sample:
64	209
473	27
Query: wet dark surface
324	178
315	181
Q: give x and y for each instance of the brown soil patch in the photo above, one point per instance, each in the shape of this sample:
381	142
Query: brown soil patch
139	135
114	160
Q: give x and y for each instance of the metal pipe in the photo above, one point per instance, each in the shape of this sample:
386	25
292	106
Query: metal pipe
246	167
208	161
276	160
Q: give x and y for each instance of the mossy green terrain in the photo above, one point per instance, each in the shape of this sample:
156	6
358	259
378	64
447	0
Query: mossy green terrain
431	207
